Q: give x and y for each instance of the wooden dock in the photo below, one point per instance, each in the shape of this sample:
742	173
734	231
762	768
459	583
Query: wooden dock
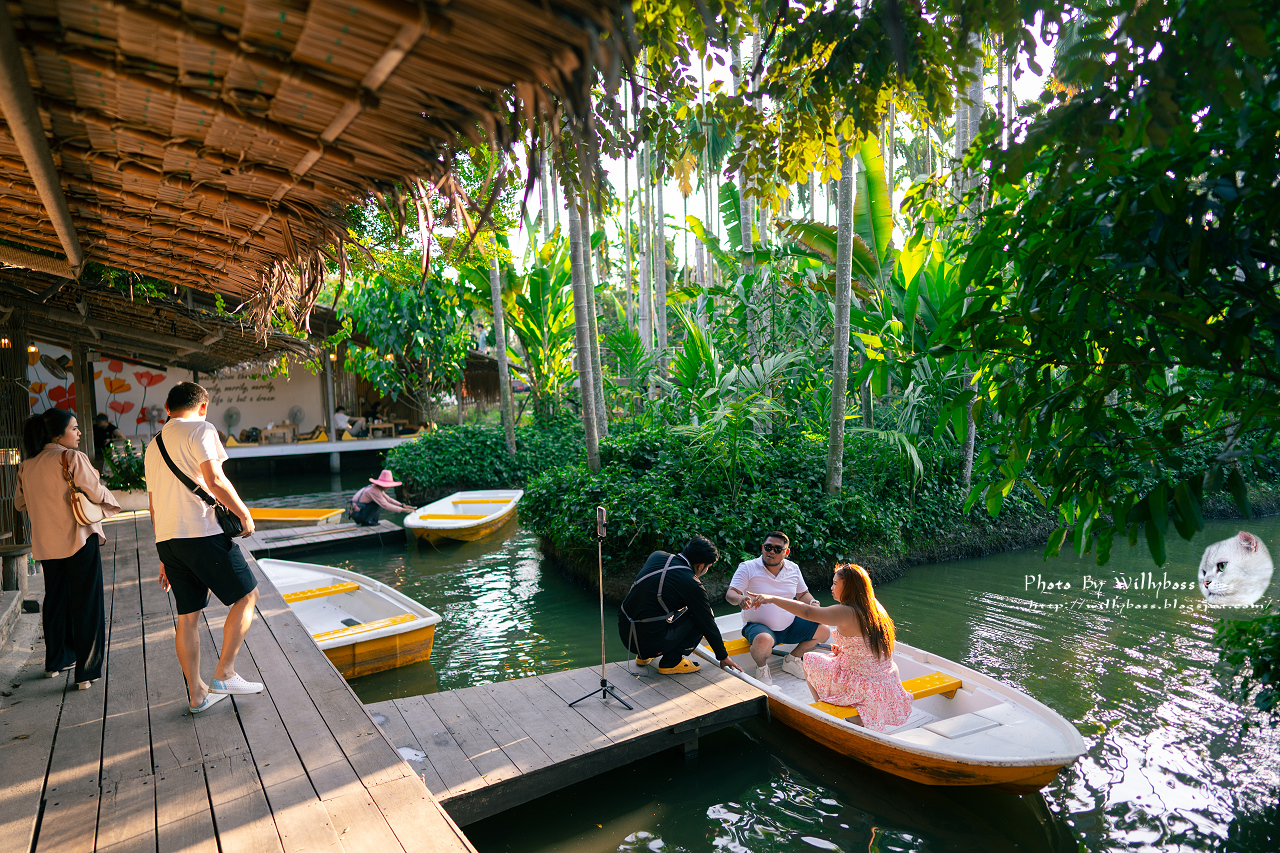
123	766
285	541
482	750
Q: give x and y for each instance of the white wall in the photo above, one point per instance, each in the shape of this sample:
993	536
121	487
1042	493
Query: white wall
263	401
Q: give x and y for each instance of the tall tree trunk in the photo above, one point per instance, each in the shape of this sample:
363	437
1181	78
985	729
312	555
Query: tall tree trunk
597	385
968	115
582	335
544	179
659	266
626	212
458	388
504	364
840	343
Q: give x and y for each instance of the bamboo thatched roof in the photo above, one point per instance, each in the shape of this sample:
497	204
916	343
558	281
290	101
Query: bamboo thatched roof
159	331
214	143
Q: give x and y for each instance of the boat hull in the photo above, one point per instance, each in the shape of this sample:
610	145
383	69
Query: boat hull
926	769
365	657
464	534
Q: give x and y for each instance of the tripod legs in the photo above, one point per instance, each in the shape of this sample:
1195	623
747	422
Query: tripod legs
605	690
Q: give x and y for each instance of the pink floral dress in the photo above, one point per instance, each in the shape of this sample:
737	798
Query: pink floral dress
852	676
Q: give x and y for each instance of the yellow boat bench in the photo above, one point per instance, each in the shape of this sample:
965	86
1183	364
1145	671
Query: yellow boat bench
364	627
321	591
302	516
445	516
925	685
484	501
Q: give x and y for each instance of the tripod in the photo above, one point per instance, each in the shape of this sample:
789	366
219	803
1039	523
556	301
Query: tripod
605	689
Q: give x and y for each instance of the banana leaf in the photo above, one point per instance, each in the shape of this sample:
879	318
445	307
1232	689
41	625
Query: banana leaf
873	206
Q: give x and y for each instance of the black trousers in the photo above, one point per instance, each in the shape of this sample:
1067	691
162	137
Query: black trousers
366	515
75	625
668	641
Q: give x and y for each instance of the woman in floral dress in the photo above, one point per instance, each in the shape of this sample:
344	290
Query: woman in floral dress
860	671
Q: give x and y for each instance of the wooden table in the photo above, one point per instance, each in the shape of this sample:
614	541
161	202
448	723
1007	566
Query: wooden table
388	428
286	435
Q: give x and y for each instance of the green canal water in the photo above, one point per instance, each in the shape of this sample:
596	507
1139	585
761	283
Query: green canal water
1168	765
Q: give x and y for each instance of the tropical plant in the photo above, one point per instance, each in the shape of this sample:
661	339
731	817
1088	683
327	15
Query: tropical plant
541	317
125	470
418	337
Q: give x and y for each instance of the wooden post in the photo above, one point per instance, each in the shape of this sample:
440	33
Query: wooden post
13	574
82	372
15	408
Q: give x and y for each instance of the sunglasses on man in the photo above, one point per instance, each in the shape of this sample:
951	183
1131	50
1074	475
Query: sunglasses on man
775	549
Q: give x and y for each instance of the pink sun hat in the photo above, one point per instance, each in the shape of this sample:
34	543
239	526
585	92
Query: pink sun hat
385	479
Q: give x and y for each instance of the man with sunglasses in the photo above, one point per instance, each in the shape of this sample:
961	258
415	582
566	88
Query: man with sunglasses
768	625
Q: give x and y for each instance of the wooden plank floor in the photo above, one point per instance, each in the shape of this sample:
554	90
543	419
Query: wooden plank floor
123	766
482	750
280	542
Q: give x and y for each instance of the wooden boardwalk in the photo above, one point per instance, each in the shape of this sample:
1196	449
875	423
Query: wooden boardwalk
482	750
284	541
123	767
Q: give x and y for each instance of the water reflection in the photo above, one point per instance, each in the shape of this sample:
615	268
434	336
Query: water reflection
763	788
504	617
1167	767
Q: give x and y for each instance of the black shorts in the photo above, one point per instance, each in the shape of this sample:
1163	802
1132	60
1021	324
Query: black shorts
196	566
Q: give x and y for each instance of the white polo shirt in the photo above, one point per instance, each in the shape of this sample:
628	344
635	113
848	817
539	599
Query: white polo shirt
752	576
179	514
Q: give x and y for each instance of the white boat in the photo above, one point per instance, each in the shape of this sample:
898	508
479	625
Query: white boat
361	625
965	727
465	516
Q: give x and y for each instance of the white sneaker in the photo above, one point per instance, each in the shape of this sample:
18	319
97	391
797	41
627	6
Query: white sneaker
763	676
235	686
794	665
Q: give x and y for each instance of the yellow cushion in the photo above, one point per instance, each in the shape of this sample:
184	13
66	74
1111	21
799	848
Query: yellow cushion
322	436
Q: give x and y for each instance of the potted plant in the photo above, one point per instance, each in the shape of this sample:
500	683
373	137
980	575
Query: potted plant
125	475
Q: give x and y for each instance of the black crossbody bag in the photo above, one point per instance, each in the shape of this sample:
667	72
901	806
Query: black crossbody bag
227	520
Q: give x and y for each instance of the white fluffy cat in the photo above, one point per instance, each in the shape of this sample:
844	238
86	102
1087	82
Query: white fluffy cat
1236	571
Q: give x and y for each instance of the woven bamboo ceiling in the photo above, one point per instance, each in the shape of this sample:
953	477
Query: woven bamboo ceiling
214	143
160	331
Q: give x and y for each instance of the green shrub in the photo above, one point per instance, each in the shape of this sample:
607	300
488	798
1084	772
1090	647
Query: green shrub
474	456
124	470
660	488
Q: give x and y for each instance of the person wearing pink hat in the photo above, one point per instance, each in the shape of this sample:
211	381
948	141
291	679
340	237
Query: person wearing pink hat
368	503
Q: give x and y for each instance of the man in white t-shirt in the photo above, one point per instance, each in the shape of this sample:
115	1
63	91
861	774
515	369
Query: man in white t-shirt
341	421
768	625
196	557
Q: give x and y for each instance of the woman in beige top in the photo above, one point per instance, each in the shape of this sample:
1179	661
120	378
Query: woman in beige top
74	621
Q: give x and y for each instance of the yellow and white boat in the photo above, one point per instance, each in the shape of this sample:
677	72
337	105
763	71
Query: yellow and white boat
361	625
274	518
965	727
465	516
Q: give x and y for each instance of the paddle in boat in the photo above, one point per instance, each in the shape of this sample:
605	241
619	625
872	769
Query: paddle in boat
275	518
361	625
965	728
466	516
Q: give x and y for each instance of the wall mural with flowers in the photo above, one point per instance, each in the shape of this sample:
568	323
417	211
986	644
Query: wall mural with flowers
133	396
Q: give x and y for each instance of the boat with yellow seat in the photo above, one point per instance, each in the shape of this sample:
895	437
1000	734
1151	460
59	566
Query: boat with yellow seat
361	625
965	728
465	516
274	518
